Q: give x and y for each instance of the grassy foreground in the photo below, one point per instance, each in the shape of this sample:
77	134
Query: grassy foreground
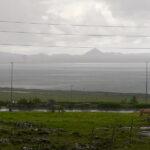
71	131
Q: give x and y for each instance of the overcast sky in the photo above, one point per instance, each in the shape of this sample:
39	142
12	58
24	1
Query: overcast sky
134	13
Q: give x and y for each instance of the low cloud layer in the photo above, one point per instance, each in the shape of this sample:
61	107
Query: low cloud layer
67	12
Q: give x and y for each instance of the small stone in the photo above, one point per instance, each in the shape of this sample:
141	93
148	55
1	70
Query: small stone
78	146
27	148
61	129
36	129
145	128
144	133
127	128
97	137
102	128
4	141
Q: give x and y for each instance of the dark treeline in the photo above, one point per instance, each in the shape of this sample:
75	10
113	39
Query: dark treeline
33	103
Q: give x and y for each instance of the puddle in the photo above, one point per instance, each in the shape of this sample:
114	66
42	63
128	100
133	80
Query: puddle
145	128
74	110
144	133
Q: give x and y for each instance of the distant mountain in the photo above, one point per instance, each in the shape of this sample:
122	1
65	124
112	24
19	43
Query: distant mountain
91	56
93	52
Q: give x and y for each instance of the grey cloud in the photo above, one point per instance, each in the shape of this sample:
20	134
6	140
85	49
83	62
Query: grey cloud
100	12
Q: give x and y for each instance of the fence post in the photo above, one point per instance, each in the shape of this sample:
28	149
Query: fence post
113	134
131	131
92	137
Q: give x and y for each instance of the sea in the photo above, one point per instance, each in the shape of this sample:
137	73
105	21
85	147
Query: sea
104	77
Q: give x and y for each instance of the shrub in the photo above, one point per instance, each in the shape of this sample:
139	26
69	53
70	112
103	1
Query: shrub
109	105
4	103
50	102
29	103
35	102
71	105
23	101
133	100
124	101
142	106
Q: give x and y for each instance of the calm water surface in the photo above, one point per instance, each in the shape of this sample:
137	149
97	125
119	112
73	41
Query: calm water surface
108	77
75	110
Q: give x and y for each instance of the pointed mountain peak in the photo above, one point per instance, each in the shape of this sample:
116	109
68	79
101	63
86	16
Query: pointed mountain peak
93	52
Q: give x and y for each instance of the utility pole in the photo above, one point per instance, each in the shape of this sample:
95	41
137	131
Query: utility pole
146	96
11	88
83	94
71	86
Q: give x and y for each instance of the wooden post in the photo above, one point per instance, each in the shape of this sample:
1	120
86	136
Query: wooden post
131	131
92	138
11	88
113	134
146	84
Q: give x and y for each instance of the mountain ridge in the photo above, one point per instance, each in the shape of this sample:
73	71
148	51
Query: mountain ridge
93	55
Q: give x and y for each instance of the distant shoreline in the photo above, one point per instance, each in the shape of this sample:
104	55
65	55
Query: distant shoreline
26	90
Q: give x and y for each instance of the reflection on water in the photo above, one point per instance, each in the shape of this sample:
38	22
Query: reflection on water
75	110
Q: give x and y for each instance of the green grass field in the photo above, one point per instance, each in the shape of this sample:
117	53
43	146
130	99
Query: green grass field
67	96
72	121
68	130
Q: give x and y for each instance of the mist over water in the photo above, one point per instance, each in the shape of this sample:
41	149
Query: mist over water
108	77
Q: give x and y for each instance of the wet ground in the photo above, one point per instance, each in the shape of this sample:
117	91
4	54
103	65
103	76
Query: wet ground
72	110
30	136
